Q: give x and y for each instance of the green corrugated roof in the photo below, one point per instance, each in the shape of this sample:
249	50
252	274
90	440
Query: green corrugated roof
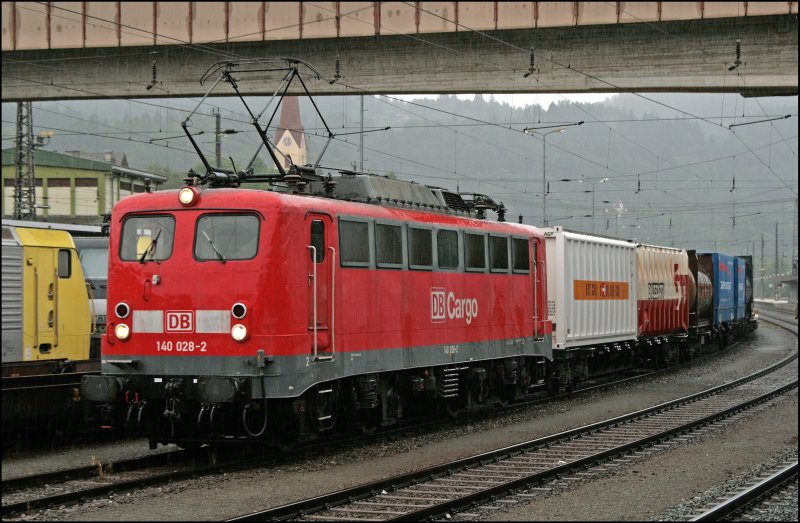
52	159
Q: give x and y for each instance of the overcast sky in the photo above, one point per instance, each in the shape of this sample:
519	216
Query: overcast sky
524	99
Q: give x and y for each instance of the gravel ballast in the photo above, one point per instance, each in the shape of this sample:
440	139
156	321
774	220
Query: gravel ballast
646	489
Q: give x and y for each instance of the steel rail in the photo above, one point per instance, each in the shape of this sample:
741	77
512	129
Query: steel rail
18	483
318	503
749	496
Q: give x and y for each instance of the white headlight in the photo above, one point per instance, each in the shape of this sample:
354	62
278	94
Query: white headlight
122	331
239	332
187	196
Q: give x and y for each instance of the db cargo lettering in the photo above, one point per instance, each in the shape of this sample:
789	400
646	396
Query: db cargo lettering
600	290
445	305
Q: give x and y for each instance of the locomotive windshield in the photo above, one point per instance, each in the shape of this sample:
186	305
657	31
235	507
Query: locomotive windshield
147	238
94	262
224	237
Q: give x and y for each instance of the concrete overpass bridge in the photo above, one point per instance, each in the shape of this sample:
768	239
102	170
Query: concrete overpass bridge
73	50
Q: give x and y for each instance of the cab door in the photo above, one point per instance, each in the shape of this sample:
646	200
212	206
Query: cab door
321	263
41	268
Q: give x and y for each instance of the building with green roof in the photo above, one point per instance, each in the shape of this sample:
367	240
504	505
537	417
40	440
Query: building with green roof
73	189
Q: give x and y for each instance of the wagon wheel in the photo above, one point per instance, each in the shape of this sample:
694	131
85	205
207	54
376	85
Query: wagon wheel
188	444
504	397
453	408
368	421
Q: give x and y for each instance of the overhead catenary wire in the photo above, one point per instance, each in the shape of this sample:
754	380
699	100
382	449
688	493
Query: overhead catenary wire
613	131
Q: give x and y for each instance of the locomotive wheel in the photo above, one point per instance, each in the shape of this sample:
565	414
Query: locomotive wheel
287	435
286	430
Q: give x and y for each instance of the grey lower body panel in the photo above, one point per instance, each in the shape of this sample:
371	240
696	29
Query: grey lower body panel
290	376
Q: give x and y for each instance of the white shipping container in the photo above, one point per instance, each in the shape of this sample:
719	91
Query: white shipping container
591	288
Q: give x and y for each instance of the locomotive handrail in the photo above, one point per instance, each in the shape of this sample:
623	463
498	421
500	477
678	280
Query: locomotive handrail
55	307
36	307
535	299
333	301
314	264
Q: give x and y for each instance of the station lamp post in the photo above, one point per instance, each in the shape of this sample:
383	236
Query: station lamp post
538	130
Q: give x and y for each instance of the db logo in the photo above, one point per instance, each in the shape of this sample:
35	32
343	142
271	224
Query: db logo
179	321
438	313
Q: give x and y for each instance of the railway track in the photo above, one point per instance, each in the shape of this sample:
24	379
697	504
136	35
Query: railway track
521	469
773	488
65	487
74	485
779	316
77	485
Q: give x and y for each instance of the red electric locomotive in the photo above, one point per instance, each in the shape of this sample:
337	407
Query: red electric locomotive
275	316
238	313
244	313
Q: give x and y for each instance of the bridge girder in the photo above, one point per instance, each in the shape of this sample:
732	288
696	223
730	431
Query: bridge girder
681	56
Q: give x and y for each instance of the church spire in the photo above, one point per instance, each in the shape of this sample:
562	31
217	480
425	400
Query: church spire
290	135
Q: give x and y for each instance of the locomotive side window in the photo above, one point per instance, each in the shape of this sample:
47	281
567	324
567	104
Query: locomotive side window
420	248
498	253
519	255
223	237
147	238
475	251
389	245
64	263
354	243
447	249
318	240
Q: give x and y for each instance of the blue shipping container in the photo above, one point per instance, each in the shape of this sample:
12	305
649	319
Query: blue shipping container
724	288
739	284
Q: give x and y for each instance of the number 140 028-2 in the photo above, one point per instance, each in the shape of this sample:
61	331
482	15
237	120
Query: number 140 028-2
180	346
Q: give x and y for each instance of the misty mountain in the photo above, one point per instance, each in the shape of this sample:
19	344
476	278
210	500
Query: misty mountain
677	174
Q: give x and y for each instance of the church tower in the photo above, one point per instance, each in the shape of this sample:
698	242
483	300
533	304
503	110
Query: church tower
290	137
